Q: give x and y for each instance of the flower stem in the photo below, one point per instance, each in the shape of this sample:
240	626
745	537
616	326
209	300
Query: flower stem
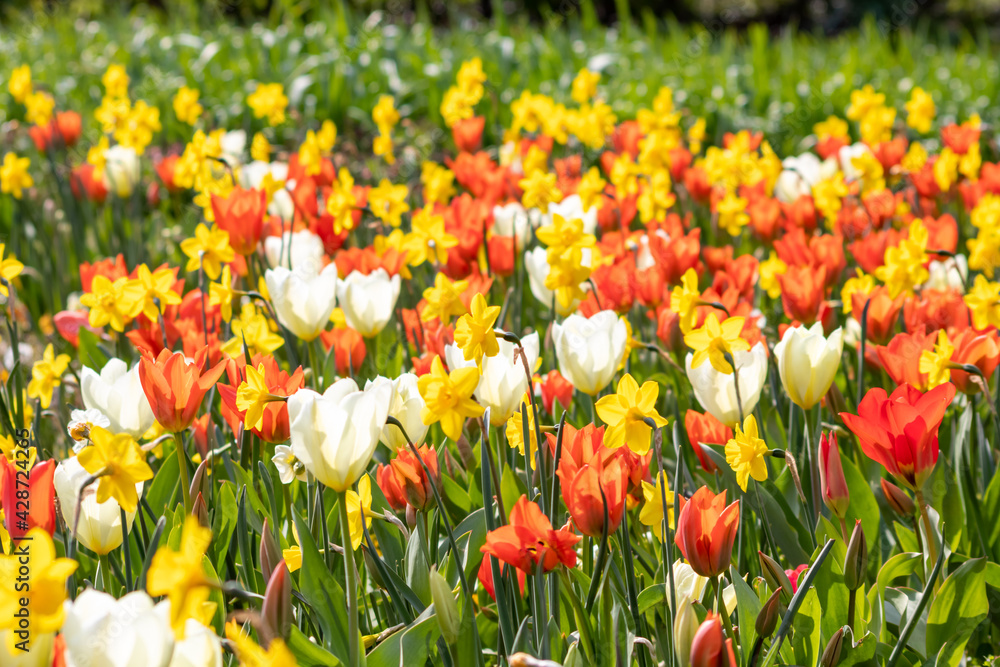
105	568
183	472
720	608
350	585
925	517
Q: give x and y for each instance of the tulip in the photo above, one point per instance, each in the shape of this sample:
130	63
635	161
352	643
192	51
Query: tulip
900	431
592	490
706	530
303	299
295	250
704	429
252	176
716	392
117	393
99	527
554	387
883	312
802	292
334	434
831	654
404	482
274	424
39	507
775	576
589	350
241	213
685	628
511	220
979	350
709	647
100	630
277	606
831	475
856	561
175	387
485	576
767	619
348	349
901	503
529	539
808	362
503	380
901	357
368	300
121	170
200	646
406	406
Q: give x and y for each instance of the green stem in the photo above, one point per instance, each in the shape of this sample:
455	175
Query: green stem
720	608
182	470
582	617
104	581
314	366
925	517
351	586
851	602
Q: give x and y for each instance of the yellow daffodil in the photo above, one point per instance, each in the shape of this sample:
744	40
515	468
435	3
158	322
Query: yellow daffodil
591	189
745	453
19	84
651	513
920	110
221	294
684	300
159	290
46	375
713	341
38	107
429	241
208	248
937	363
10	268
540	190
732	214
862	283
115	81
770	269
341	202
515	431
186	105
983	301
250	654
388	202
113	303
253	396
359	506
269	101
563	236
438	182
260	148
180	576
254	328
474	332
903	269
14	176
120	464
626	413
444	299
448	397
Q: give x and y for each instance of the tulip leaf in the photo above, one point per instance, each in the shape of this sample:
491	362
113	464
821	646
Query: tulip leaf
307	653
510	489
91	354
417	567
747	608
861	653
224	523
410	646
831	591
455	495
900	565
219	617
807	627
474	526
946	497
652	597
326	597
862	504
958	607
164	484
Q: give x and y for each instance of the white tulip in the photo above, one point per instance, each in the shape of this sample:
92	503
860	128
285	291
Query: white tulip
949	274
233	143
302	299
537	265
100	630
512	220
117	393
100	525
800	175
301	250
589	350
121	170
716	392
201	647
503	382
571	208
406	406
808	362
335	434
368	300
689	586
252	175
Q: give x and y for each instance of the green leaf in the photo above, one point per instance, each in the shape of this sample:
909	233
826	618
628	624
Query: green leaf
807	627
862	505
91	354
959	606
224	523
307	653
862	653
324	595
900	565
164	483
410	646
747	609
417	567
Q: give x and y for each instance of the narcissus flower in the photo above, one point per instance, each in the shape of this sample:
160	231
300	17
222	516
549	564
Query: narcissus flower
516	437
208	249
540	190
713	341
474	333
46	375
628	413
444	299
120	464
652	504
388	202
269	101
180	575
529	539
14	176
113	303
10	268
99	527
175	387
428	241
983	301
186	105
936	363
248	652
448	397
684	300
359	510
706	531
745	453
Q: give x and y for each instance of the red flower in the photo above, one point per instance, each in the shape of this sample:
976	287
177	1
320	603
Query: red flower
706	530
980	350
831	476
900	431
529	539
468	133
795	575
82	182
882	313
709	648
705	429
274	428
802	291
165	169
348	349
404	481
175	387
936	309
242	215
586	487
38	507
556	388
901	357
486	576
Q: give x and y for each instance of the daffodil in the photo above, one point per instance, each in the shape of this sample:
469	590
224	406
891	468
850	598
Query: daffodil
388	202
120	464
438	182
341	202
564	236
540	190
180	576
14	176
983	301
428	241
19	84
444	299
770	269
46	375
591	189
448	397
269	101
937	363
159	291
862	283
113	303
474	332
714	341
745	453
186	105
628	413
684	300
208	248
903	269
115	81
250	654
359	508
221	294
920	110
515	431
255	329
253	396
732	214
10	268
651	513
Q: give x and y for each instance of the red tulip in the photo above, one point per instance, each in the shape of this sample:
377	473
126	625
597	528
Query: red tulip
348	349
980	350
486	576
556	388
28	502
175	387
710	648
705	429
404	481
901	357
529	539
802	291
706	530
242	215
900	431
582	488
882	313
831	476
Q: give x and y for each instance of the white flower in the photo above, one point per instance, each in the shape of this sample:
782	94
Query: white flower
846	157
537	265
512	220
368	300
100	525
233	143
503	381
808	362
252	175
117	393
100	630
302	299
121	170
406	406
949	274
301	250
335	434
201	647
800	175
589	350
286	463
80	423
716	392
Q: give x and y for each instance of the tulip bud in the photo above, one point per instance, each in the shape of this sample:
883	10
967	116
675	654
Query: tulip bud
710	648
277	608
831	475
767	619
270	551
898	500
831	654
445	607
856	562
199	508
199	481
774	575
685	627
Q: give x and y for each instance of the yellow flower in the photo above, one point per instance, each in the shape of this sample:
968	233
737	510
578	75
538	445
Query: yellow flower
310	154
745	453
139	125
444	299
456	105
252	396
428	241
770	269
829	194
565	276
946	169
584	86
474	332
903	268
651	513
915	158
626	414
515	431
208	248
684	300
563	237
327	136
871	172
359	506
14	176
293	557
920	110
19	84
970	162
832	127
120	464
983	301
470	78
696	135
269	101
41	582
221	294
936	363
186	106
10	268
861	282
591	189
876	126
38	108
180	576
250	654
448	397
159	287
97	156
260	148
713	342
112	112
341	202
540	190
385	114
388	202
115	81
438	182
656	197
732	212
863	101
46	375
255	329
116	303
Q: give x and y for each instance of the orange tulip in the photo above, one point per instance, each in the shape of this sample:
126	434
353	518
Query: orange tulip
901	357
486	576
556	388
583	485
348	349
242	215
706	530
705	429
802	291
38	508
468	133
882	312
175	387
529	539
936	309
274	429
710	648
980	350
404	481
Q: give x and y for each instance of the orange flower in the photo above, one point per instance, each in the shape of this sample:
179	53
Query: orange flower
802	291
586	468
706	530
936	309
529	539
404	481
468	133
980	350
82	182
348	349
38	507
274	428
705	429
901	357
709	648
175	387
165	169
556	388
242	215
882	313
486	576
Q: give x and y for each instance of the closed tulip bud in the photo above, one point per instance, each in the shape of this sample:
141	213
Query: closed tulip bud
589	349
831	476
856	562
808	362
199	481
901	503
270	551
276	611
199	509
767	619
710	648
775	575
831	654
685	627
445	607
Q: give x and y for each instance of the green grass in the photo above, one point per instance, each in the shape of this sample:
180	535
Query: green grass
337	66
